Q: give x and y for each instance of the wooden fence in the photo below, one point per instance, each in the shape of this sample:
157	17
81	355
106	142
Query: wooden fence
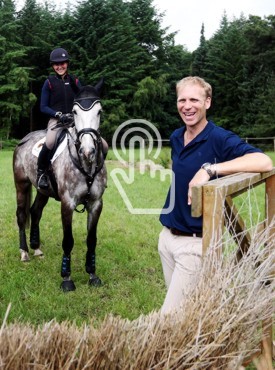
214	201
259	139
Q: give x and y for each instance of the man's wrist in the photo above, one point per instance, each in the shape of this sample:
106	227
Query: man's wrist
210	169
214	169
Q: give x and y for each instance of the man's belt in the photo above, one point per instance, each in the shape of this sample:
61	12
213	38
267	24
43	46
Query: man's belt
182	233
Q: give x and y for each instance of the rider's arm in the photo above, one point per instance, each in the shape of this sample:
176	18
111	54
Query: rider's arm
78	83
45	100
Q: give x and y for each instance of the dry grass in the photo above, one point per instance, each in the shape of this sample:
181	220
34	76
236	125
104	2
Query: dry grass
216	328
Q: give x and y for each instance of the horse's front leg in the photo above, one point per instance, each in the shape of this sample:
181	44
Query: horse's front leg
36	213
23	198
67	245
94	212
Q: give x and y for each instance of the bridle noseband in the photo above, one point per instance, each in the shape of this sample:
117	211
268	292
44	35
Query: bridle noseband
89	131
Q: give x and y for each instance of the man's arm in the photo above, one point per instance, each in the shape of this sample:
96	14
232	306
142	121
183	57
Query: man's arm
252	162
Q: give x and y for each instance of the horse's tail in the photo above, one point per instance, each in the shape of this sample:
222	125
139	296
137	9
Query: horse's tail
28	204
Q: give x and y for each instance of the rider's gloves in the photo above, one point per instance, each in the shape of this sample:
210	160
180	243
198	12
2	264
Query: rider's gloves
58	115
63	118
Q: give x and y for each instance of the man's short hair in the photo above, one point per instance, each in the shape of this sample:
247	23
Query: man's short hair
195	80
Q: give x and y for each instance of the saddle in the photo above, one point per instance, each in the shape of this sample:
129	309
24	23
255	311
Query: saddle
58	148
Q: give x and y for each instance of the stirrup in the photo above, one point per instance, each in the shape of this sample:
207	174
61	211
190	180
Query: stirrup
42	181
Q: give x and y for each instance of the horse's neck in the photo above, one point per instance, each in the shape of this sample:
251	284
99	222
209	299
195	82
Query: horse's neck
72	132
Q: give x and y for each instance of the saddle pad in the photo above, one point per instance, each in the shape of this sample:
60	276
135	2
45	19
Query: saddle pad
37	148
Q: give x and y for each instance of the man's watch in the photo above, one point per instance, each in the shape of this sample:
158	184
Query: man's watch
207	167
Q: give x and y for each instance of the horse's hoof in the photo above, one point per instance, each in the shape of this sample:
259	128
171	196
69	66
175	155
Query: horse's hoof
24	256
38	253
95	281
67	286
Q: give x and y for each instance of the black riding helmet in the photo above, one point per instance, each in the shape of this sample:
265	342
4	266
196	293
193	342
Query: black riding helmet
59	55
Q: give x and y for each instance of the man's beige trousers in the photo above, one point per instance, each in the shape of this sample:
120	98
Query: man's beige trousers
181	262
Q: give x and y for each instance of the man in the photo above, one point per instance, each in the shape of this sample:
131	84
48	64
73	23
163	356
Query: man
200	151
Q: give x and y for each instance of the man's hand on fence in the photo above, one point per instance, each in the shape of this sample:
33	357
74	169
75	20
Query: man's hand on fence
201	177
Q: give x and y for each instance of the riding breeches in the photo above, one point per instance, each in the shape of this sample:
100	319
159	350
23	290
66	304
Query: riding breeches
52	133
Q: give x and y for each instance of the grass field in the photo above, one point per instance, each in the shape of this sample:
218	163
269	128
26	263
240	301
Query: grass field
127	257
127	261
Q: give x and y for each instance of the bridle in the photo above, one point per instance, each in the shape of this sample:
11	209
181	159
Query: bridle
95	134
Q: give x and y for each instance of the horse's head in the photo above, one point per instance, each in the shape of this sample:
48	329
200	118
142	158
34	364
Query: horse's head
87	110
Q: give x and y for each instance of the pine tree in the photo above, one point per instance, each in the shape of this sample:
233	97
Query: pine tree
15	99
199	56
225	70
109	49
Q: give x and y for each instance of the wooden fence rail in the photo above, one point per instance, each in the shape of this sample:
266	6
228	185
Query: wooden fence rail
214	201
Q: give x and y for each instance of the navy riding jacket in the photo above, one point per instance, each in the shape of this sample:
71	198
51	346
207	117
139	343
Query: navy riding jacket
215	145
58	94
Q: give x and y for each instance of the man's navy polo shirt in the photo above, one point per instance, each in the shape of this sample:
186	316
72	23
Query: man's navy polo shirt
215	145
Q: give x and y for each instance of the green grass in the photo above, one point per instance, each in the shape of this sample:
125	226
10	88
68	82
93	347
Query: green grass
127	257
127	261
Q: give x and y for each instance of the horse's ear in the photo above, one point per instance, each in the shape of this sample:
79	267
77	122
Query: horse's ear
99	86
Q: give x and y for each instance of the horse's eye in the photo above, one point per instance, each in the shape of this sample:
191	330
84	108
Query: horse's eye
74	111
99	112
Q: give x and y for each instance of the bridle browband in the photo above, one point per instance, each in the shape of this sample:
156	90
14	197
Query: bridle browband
95	134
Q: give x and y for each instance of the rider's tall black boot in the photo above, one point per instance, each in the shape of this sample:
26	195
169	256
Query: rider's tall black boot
42	165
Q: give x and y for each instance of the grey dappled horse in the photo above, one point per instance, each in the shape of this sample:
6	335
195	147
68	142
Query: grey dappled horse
78	178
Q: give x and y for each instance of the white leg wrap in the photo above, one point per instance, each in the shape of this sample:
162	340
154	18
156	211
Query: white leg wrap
38	253
24	256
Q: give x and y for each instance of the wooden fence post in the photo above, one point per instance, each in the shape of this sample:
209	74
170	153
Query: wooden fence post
213	215
212	201
267	342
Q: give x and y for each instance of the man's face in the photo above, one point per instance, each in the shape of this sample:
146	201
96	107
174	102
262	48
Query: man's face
192	104
60	68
